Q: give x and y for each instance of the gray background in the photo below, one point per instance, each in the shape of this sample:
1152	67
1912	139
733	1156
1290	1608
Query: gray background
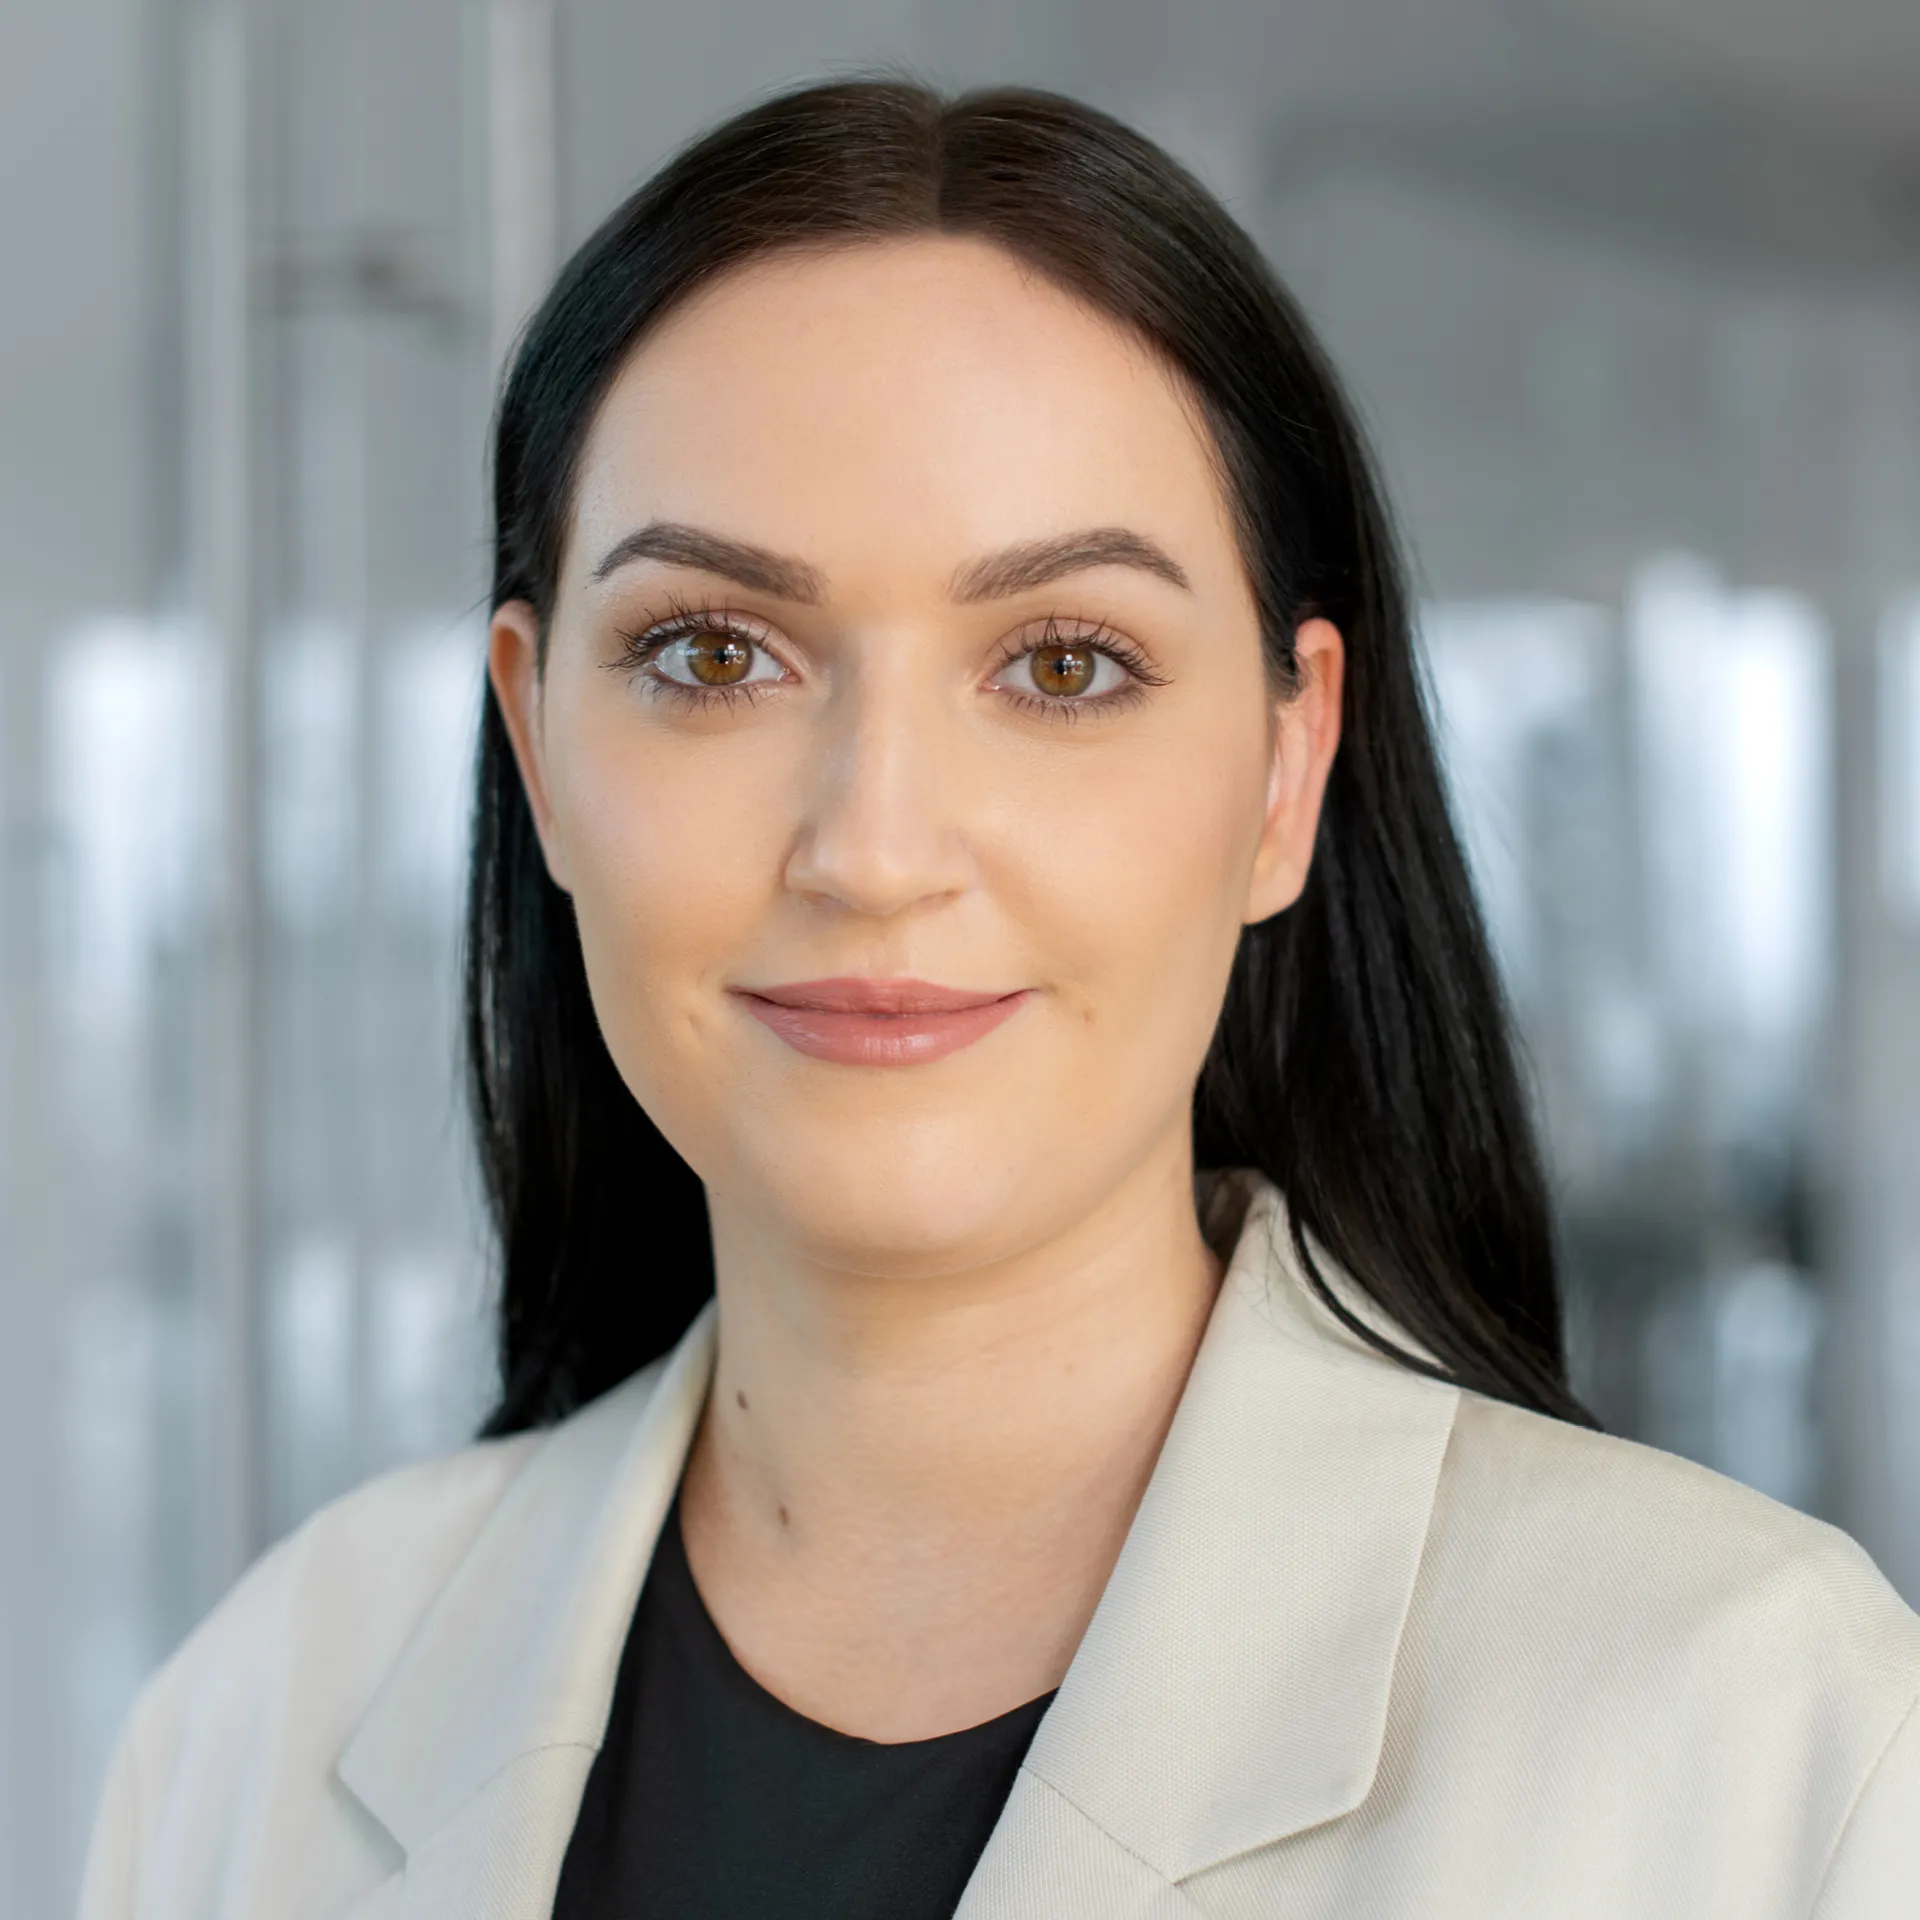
1626	291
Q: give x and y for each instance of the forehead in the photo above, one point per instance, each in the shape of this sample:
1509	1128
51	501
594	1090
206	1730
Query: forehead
897	406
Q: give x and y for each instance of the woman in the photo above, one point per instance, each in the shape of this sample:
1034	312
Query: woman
962	884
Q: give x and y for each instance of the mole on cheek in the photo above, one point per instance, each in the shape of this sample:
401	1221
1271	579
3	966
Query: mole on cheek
741	1400
784	1521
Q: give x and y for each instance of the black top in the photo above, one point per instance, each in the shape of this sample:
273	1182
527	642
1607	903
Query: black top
712	1800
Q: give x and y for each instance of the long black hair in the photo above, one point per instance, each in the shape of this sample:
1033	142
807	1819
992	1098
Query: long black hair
1363	1059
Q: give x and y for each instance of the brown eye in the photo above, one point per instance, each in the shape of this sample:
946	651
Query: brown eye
718	659
1063	670
715	661
1067	673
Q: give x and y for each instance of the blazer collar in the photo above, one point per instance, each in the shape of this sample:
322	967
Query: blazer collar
519	1652
1231	1689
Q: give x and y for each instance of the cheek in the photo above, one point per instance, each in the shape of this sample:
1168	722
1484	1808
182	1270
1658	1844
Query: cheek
1138	862
674	848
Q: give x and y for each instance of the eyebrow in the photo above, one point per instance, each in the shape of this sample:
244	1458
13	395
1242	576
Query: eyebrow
993	577
736	560
1014	569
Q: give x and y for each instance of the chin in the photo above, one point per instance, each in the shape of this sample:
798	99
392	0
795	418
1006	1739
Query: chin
912	1200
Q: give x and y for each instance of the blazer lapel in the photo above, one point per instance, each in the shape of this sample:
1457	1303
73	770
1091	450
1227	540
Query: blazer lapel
1231	1690
475	1752
497	1856
1232	1687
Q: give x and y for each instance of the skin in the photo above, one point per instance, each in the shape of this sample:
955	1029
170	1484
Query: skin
958	1299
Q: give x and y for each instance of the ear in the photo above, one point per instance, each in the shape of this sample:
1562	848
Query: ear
1306	733
513	666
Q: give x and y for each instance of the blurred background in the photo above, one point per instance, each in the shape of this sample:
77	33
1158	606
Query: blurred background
1626	289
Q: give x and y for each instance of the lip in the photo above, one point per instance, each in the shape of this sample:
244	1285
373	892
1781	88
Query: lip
878	1023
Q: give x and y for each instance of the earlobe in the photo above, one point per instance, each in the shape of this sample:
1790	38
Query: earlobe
513	668
1306	735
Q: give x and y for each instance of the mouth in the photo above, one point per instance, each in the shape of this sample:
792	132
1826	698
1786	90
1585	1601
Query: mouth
878	1023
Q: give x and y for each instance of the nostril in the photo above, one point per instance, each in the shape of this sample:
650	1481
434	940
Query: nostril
882	834
878	865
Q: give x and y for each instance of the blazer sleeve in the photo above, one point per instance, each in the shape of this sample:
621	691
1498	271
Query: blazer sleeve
1875	1870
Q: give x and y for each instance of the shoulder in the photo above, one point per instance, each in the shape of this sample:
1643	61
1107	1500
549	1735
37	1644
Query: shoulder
225	1790
335	1602
1592	1597
267	1687
1729	1679
323	1613
1649	1546
274	1680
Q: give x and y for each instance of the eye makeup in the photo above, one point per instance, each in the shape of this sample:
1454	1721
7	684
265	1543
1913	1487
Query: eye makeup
1073	669
702	656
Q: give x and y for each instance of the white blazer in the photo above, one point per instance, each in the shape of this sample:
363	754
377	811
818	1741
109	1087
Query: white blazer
1375	1649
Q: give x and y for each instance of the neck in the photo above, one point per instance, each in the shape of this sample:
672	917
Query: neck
907	1495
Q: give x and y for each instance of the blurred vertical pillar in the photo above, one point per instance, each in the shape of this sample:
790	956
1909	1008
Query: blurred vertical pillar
31	1280
522	166
1876	1362
222	533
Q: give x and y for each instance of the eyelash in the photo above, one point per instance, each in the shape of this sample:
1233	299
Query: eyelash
1101	639
685	619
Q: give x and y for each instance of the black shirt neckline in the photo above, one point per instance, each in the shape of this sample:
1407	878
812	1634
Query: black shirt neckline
675	1572
712	1799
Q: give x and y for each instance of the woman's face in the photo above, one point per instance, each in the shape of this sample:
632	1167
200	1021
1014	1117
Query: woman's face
902	642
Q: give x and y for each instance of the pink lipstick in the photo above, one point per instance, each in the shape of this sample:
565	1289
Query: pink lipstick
878	1023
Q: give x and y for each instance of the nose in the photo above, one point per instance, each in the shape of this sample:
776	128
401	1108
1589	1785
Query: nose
881	832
